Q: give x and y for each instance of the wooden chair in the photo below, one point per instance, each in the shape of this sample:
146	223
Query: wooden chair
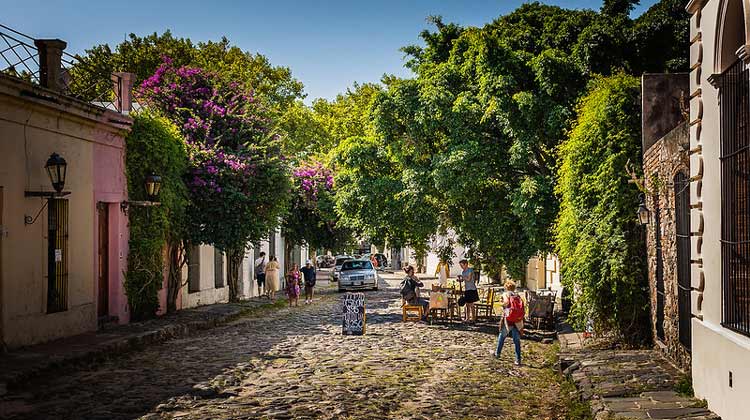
486	307
541	311
412	313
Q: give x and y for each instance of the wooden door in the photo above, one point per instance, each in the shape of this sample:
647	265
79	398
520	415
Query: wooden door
103	251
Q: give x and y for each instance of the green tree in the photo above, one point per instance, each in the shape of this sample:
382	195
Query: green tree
142	55
311	218
474	135
661	38
375	196
598	237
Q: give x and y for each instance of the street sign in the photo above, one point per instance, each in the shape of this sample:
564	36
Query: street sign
354	317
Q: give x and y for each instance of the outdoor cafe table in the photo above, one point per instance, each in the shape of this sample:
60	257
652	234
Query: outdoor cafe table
451	307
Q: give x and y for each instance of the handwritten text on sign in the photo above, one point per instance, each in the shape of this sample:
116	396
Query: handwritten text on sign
354	319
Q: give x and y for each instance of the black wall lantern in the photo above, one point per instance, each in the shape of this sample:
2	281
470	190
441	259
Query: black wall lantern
153	186
644	214
57	170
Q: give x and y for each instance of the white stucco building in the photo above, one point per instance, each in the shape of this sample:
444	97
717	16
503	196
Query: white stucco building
720	202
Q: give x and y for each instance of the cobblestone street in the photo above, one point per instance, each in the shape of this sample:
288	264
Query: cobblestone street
294	363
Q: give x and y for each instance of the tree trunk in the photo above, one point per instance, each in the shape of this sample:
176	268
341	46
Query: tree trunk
288	249
177	261
234	263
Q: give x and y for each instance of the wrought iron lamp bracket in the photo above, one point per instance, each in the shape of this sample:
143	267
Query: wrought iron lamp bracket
28	220
125	205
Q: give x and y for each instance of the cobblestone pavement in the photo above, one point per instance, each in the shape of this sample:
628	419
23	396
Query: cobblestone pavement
629	384
294	363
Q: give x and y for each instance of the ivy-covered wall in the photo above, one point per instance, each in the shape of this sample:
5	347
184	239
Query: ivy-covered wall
154	146
600	242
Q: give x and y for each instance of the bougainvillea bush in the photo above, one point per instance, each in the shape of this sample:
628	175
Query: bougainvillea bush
311	218
313	179
237	179
209	110
234	194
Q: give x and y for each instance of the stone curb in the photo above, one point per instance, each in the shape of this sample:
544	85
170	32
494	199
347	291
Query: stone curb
120	345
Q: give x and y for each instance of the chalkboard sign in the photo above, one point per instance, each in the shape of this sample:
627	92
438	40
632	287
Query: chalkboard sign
355	319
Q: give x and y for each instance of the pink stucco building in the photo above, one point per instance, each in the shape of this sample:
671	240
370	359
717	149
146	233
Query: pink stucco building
62	255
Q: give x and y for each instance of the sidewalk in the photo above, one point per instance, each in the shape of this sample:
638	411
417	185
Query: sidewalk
23	364
627	384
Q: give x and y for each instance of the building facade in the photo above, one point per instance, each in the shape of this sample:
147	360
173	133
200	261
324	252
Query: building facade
720	203
62	256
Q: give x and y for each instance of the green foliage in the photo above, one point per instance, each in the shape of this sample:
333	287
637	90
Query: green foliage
684	386
472	139
154	146
142	55
662	37
244	204
304	134
375	196
599	240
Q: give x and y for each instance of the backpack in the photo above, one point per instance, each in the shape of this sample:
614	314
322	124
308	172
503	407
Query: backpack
516	310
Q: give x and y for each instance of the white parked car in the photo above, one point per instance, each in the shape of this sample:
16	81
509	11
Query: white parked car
358	275
340	259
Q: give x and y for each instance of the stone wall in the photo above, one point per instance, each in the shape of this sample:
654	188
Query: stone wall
662	161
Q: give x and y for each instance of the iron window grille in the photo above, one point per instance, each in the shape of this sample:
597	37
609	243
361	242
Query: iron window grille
682	222
659	271
57	255
735	194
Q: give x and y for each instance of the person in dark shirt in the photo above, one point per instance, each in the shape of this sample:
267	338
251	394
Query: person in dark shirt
410	289
308	271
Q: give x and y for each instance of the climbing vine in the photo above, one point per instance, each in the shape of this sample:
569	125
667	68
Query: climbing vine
599	240
154	146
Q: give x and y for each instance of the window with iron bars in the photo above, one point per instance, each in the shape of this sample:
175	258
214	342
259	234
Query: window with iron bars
735	194
682	222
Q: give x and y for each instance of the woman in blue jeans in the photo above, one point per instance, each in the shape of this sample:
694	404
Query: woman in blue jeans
514	329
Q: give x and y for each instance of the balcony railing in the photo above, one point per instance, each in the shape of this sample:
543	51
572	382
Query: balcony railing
19	55
77	77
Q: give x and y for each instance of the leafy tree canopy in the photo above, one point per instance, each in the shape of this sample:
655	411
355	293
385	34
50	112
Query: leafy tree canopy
142	55
473	137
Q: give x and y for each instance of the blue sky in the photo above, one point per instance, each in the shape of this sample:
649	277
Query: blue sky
327	44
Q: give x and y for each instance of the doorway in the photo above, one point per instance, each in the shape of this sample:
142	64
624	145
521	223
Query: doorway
102	306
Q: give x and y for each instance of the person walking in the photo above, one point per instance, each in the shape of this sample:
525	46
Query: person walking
272	277
292	288
471	295
310	275
443	271
512	321
296	272
260	273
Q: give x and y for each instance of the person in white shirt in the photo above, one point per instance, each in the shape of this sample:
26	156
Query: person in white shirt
260	272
